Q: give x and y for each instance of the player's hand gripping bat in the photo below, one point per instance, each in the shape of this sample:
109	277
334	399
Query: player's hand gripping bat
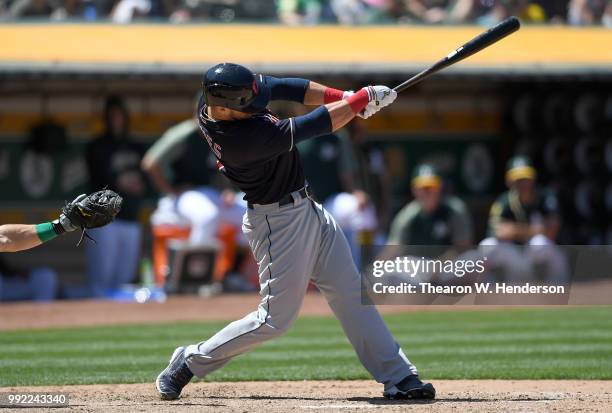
483	40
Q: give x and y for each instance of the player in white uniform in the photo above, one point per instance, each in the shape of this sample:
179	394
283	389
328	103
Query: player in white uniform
182	168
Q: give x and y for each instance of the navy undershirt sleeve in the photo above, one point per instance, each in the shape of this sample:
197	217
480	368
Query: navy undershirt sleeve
316	123
288	88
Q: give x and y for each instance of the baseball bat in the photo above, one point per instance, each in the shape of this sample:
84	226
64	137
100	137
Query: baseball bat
483	40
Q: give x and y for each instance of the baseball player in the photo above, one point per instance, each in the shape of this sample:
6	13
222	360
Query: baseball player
95	210
180	166
294	240
432	218
528	216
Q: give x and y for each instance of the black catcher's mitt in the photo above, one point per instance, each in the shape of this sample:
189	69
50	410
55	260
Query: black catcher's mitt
94	210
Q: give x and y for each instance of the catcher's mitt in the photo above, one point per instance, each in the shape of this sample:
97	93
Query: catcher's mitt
94	210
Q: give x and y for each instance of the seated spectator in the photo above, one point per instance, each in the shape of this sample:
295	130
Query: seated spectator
352	12
304	12
125	11
113	161
524	215
75	9
606	19
432	218
30	8
529	11
498	10
442	11
542	11
310	12
589	12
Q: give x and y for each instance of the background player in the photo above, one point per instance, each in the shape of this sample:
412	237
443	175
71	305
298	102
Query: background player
293	239
182	168
433	225
113	161
330	167
432	218
525	215
197	197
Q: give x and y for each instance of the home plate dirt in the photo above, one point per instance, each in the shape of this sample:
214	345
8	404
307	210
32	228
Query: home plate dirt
343	396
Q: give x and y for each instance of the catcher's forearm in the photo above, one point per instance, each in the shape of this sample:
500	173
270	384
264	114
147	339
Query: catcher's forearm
19	237
95	210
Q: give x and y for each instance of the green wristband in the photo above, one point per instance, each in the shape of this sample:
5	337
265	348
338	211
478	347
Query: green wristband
45	231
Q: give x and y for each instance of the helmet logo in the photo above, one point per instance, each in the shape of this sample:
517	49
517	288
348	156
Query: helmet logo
255	88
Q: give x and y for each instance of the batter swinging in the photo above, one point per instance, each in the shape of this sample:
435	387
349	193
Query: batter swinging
293	238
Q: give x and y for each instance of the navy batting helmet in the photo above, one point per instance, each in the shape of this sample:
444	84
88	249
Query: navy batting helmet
235	87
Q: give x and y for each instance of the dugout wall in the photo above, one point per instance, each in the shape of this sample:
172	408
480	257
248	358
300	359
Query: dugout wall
545	92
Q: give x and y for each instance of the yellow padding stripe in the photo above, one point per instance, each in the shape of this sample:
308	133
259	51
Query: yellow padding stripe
193	45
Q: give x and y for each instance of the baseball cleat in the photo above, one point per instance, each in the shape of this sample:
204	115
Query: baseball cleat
171	381
411	387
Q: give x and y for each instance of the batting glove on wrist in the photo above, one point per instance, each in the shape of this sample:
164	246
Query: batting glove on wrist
380	96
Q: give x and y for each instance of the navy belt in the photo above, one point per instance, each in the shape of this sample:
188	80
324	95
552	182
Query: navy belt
288	199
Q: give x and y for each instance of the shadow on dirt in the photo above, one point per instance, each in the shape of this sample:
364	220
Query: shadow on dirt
271	398
382	401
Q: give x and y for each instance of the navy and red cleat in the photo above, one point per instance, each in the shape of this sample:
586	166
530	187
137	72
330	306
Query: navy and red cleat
411	387
171	381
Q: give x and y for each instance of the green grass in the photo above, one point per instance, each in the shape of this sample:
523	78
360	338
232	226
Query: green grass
568	343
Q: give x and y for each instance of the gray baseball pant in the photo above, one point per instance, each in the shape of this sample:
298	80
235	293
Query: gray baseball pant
293	244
